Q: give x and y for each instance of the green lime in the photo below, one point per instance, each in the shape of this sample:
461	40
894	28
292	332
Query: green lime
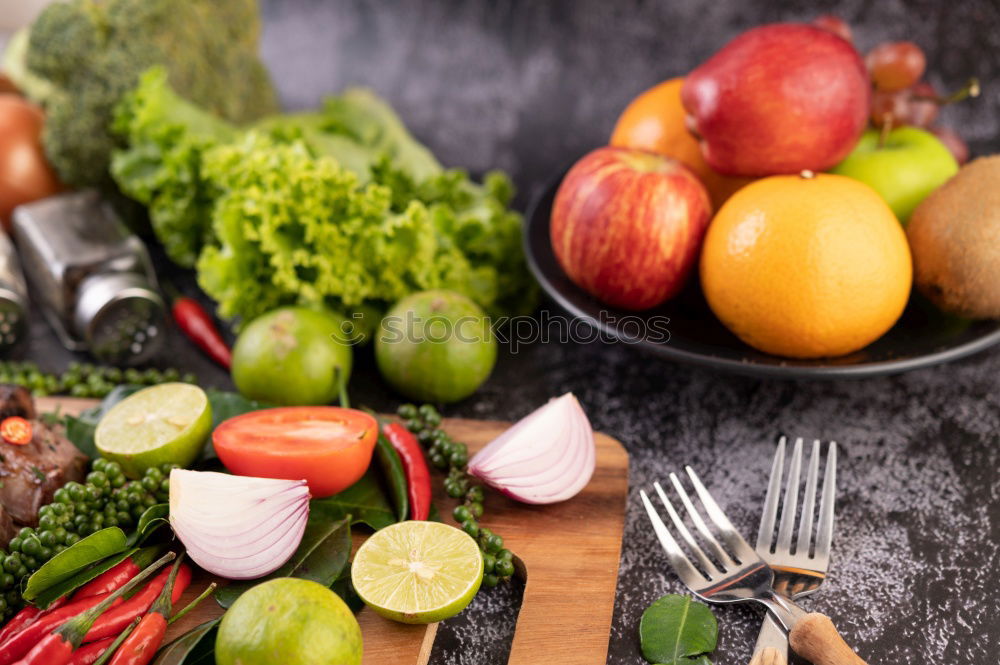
288	621
418	572
435	346
292	356
164	424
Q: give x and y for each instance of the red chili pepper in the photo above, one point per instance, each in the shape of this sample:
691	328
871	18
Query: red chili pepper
141	645
108	581
89	653
19	622
27	616
115	621
57	647
16	430
20	643
418	475
113	578
199	327
101	651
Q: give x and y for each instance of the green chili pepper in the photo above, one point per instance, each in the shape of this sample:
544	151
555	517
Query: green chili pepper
392	467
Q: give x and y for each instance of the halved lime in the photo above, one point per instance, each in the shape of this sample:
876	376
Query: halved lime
164	424
418	572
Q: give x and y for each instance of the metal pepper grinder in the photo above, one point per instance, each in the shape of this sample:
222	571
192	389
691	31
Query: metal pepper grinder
92	277
13	296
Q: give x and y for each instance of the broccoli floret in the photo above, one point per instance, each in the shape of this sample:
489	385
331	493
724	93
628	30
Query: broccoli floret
92	52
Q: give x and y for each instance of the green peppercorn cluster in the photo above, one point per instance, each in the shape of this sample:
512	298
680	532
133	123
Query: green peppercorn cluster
77	510
452	456
84	379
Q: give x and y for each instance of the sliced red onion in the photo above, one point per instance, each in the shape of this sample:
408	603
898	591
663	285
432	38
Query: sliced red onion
237	527
547	456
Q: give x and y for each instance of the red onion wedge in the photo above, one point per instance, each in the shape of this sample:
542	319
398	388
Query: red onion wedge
237	527
545	457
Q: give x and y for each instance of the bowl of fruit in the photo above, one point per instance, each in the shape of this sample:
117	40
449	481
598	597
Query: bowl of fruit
790	208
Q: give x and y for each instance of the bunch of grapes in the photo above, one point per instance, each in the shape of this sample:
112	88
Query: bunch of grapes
900	96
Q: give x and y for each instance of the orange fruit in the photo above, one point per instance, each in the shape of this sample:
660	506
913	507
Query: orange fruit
806	266
654	121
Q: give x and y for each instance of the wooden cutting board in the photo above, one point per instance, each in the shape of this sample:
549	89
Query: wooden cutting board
569	553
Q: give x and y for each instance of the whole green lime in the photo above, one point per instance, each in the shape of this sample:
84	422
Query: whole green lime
292	356
288	621
435	346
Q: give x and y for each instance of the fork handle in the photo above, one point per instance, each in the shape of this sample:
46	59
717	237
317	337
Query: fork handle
815	638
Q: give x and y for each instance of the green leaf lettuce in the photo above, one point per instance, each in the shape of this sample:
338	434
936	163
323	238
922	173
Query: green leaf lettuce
339	208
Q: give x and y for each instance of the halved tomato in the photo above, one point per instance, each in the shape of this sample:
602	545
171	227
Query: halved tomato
328	446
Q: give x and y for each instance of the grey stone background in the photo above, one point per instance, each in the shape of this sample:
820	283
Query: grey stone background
530	85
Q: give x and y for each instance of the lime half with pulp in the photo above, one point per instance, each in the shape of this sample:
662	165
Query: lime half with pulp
164	424
418	572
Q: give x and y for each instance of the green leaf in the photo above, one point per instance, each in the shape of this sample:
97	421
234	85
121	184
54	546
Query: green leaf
320	557
80	429
364	501
57	591
344	588
698	660
192	647
75	558
150	521
675	630
392	470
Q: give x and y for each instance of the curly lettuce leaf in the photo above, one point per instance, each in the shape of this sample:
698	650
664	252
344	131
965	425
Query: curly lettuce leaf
339	207
161	170
293	228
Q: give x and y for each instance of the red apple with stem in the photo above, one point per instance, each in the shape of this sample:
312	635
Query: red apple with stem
627	226
781	98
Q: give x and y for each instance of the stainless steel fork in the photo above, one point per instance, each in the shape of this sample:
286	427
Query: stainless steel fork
799	574
739	575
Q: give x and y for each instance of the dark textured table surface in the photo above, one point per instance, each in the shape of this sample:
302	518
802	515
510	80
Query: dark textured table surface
526	86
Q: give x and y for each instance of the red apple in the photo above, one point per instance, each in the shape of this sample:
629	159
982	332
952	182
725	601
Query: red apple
781	98
627	226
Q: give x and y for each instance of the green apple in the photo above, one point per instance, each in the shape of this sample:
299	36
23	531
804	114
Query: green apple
908	166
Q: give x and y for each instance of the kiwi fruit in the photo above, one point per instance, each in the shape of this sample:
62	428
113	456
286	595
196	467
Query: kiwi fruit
954	237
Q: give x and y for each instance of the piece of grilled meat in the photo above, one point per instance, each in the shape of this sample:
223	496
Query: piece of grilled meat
16	401
30	474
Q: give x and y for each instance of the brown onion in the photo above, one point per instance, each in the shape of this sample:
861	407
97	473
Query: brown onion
25	174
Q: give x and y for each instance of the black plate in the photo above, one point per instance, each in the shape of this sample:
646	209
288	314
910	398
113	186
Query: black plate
922	337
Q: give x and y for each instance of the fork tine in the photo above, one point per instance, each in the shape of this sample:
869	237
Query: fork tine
720	554
791	500
765	533
809	502
729	533
706	563
824	533
688	573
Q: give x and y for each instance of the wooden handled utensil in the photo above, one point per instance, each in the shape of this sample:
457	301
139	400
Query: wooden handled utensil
797	574
739	575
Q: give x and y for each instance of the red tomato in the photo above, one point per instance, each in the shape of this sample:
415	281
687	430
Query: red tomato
16	430
328	446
